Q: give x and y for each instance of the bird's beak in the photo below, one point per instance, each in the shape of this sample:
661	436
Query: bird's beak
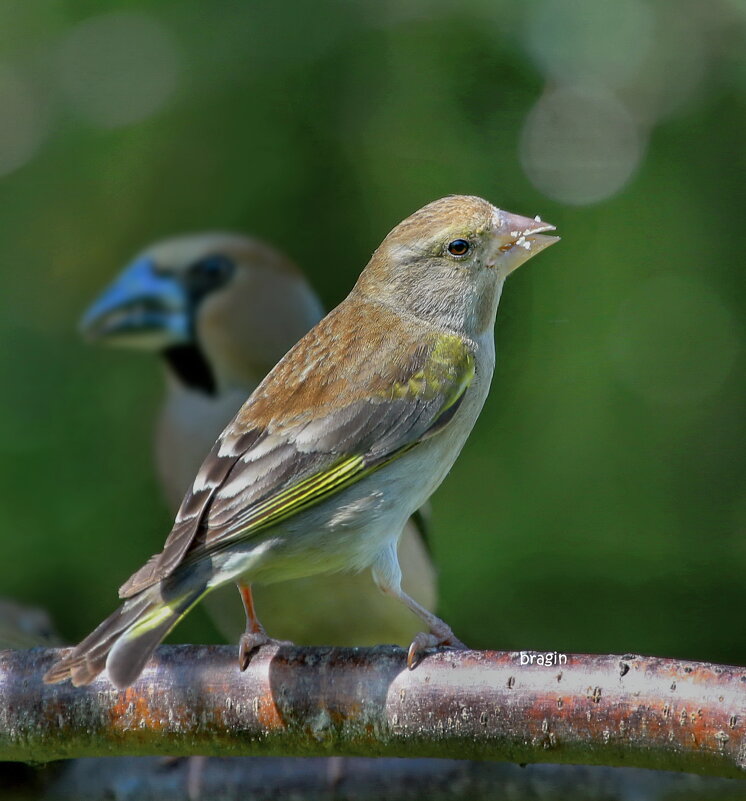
140	309
518	239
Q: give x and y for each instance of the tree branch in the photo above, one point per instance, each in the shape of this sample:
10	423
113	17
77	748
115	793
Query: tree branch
604	710
364	779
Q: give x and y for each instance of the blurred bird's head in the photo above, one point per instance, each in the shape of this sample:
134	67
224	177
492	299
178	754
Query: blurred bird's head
222	308
447	262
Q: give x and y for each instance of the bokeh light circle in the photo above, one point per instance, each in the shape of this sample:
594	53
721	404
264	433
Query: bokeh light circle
23	122
580	145
118	68
604	39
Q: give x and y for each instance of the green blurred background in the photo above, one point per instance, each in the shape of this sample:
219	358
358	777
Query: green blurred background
600	504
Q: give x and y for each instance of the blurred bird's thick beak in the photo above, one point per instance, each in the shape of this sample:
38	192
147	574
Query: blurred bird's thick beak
519	238
141	309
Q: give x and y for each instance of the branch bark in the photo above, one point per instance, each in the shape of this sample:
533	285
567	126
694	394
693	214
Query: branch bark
604	710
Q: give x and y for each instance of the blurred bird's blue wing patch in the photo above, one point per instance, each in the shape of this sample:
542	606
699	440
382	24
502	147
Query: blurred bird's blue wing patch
258	475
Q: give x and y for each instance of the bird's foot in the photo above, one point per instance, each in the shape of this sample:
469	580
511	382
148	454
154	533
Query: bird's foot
252	641
424	641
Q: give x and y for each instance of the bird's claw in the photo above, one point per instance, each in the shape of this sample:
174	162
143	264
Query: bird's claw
252	641
424	641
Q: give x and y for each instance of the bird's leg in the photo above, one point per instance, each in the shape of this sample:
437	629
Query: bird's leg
387	575
254	636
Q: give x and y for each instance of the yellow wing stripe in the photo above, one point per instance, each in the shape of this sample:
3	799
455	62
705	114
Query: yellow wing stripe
295	497
302	496
292	500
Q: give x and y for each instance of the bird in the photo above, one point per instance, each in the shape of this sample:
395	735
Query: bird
350	433
221	309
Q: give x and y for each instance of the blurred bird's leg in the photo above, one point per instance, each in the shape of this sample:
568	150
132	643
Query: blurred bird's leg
387	576
195	770
255	636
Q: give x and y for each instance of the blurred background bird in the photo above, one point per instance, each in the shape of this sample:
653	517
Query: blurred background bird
220	309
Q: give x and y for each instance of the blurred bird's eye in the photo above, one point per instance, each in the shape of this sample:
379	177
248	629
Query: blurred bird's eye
207	275
459	247
212	268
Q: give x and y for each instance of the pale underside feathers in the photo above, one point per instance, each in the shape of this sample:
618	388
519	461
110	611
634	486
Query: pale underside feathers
269	464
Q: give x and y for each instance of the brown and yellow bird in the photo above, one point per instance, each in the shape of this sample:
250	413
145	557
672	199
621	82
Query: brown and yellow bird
221	309
347	436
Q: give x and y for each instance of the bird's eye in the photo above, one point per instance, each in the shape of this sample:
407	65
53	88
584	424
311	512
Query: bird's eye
459	247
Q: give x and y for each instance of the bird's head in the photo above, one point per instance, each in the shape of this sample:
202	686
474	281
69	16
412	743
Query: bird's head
447	262
222	308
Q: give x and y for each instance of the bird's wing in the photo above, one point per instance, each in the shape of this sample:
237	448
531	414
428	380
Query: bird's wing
332	411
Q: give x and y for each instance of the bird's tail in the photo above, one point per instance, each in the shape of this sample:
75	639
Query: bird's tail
124	642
